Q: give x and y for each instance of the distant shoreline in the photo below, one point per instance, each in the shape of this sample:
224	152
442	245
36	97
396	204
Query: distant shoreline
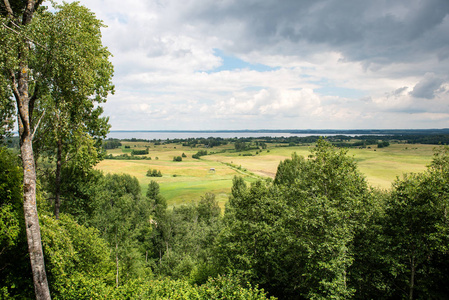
307	131
182	134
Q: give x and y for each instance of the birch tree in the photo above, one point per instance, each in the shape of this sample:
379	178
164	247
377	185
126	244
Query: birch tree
36	65
16	52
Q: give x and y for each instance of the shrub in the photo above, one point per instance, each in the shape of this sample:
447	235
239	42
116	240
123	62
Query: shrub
154	173
199	154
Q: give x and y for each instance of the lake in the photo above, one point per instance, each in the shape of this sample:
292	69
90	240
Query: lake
163	135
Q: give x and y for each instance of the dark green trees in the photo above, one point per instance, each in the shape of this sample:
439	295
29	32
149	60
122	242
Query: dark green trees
296	236
122	216
417	232
319	232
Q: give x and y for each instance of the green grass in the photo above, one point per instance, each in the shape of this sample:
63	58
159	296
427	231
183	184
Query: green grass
186	181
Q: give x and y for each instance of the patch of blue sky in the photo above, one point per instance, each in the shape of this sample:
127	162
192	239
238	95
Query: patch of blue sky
340	92
234	63
121	18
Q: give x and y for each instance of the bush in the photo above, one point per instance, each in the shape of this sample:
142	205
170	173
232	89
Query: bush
139	152
383	144
199	154
154	173
177	158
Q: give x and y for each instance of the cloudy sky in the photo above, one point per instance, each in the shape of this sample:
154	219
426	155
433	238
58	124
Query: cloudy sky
277	64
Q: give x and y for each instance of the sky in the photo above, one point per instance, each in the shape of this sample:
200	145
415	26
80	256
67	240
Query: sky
277	64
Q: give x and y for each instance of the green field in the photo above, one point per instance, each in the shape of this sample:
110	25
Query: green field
186	181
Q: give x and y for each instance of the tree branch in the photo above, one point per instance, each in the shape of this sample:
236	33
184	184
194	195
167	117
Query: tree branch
9	9
14	85
27	38
37	125
16	93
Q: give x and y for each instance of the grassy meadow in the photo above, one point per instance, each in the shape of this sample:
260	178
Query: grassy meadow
188	180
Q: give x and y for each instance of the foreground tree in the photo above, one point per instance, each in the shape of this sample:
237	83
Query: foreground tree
16	52
296	237
46	73
416	232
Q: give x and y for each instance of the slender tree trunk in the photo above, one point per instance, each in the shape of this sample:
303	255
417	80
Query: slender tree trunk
32	221
58	179
29	188
25	104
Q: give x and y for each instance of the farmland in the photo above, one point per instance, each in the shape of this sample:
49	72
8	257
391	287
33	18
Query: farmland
187	180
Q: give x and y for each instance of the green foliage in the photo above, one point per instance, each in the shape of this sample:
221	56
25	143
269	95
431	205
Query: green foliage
222	287
127	157
383	144
330	199
177	158
69	85
253	242
208	209
111	143
139	152
122	217
79	191
15	273
199	154
153	190
73	251
154	173
416	231
183	238
10	199
296	236
240	146
7	111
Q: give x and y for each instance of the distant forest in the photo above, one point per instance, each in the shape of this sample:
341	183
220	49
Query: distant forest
368	138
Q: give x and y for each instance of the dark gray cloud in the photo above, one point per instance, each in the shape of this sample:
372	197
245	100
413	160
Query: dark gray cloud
427	87
378	31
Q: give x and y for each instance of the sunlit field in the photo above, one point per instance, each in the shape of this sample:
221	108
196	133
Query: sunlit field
188	180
